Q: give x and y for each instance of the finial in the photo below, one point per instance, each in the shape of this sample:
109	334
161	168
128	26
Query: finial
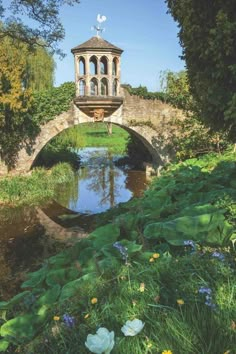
98	28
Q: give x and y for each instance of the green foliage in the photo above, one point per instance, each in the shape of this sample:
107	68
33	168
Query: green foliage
176	88
40	185
40	69
207	35
142	91
47	104
21	71
48	30
146	275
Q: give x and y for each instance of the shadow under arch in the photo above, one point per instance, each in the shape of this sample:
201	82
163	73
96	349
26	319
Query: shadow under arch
145	136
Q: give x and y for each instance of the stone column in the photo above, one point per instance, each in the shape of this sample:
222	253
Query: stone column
110	78
87	75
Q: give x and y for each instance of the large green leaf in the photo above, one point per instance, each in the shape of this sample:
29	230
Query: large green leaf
72	288
50	296
35	278
4	345
105	235
5	305
209	228
61	276
21	328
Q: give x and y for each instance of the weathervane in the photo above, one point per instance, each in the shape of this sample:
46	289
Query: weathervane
98	27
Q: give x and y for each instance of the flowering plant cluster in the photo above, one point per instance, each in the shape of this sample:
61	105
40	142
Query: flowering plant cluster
218	255
208	296
154	257
103	341
192	244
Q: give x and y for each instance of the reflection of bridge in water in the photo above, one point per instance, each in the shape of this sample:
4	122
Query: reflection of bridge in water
29	235
63	224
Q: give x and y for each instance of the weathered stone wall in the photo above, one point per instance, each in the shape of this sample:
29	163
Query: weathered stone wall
153	121
138	110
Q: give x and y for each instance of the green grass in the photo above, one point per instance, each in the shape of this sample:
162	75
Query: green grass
35	188
193	200
92	135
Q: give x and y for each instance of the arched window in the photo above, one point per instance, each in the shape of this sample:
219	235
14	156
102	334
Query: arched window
93	65
81	87
93	87
81	66
114	67
114	88
103	66
104	87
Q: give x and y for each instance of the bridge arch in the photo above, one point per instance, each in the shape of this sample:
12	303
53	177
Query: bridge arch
67	120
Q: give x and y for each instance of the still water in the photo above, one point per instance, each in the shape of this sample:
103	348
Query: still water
99	184
29	235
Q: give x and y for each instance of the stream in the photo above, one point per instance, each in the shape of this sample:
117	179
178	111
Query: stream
29	235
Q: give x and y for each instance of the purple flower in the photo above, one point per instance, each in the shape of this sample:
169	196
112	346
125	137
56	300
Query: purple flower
69	320
208	296
189	243
218	255
122	249
204	290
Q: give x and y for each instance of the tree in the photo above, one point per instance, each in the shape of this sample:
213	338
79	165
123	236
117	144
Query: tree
176	87
207	33
40	69
48	30
16	124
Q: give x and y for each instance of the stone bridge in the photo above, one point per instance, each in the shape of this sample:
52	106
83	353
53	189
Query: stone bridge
147	119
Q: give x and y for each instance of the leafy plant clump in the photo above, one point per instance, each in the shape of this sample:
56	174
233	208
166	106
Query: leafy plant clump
47	104
35	188
166	263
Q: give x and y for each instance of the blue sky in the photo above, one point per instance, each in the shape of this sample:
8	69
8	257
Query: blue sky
143	29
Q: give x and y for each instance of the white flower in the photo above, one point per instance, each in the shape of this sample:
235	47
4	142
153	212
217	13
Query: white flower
131	328
101	342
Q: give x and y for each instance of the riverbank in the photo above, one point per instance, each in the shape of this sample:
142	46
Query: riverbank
34	188
166	260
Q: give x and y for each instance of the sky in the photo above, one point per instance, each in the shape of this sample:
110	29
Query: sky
142	28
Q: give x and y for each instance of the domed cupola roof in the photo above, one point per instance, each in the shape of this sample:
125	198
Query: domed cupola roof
96	43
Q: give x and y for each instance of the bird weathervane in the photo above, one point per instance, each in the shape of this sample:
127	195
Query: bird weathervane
98	27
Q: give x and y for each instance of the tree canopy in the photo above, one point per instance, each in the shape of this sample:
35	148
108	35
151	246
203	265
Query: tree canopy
45	27
207	33
21	72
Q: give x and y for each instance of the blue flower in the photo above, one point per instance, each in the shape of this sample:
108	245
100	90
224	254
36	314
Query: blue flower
122	249
218	255
208	296
69	321
190	243
204	290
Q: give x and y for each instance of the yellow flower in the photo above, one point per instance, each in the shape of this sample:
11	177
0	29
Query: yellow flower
180	302
167	352
86	316
156	255
227	352
56	318
151	260
94	300
142	287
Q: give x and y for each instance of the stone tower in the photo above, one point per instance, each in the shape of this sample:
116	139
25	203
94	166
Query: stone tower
97	77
